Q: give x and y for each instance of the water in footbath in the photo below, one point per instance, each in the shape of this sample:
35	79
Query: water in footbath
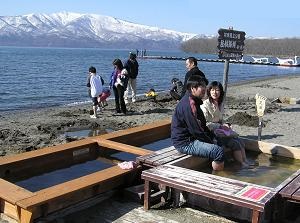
270	171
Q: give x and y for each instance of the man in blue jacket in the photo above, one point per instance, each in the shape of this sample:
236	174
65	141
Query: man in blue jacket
189	133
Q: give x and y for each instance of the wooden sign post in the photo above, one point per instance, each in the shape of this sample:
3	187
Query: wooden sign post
260	108
230	45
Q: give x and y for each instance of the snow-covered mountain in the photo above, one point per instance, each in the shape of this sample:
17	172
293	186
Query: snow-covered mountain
66	29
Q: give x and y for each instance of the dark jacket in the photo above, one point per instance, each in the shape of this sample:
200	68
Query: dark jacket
177	87
132	66
185	127
193	71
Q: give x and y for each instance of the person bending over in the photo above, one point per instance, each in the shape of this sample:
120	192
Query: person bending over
189	133
176	89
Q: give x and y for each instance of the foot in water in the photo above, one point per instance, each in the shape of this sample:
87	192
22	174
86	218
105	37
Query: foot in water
252	162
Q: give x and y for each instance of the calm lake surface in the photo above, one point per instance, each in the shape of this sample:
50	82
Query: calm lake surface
42	77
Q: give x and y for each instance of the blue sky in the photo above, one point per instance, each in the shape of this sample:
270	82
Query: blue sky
259	18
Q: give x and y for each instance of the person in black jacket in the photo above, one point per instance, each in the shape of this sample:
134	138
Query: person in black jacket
176	89
189	133
132	66
192	67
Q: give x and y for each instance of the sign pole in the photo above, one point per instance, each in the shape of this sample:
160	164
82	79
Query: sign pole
230	45
225	78
260	124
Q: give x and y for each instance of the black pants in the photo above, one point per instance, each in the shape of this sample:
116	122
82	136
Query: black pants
119	98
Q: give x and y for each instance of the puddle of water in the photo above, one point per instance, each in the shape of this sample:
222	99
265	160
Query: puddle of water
157	145
46	180
123	156
52	178
82	133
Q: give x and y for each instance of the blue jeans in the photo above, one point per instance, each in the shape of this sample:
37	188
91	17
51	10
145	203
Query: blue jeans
203	149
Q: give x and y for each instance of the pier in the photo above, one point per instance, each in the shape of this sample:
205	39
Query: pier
219	61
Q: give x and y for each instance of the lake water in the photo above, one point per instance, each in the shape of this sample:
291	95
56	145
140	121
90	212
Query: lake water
43	77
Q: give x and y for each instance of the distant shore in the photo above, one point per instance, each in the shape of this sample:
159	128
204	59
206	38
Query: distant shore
25	131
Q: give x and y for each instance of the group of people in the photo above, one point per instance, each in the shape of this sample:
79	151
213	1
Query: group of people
122	80
198	120
197	126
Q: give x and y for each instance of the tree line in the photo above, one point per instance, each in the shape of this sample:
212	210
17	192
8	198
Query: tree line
286	47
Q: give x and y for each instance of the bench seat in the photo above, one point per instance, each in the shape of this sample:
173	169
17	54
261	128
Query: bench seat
252	196
160	157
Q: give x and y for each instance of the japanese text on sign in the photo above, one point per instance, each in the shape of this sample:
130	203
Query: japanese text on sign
231	43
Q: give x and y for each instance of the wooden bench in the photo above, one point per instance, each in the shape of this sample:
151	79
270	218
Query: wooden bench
254	197
289	192
160	157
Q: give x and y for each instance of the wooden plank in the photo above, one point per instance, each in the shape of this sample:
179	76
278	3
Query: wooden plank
77	207
12	193
122	147
208	185
69	187
9	210
141	134
160	156
296	195
272	148
25	165
176	155
288	180
45	151
291	188
154	154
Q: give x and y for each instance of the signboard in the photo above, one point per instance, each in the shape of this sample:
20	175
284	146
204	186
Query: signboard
260	104
253	193
231	43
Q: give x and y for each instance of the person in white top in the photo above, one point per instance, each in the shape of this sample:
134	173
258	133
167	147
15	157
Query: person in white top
213	111
96	87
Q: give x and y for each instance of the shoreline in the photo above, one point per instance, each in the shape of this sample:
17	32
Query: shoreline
32	129
79	103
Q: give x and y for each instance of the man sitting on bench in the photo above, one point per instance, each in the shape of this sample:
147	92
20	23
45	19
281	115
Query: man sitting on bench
189	133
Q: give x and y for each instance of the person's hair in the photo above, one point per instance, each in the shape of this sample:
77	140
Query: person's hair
193	60
174	80
118	63
92	70
213	85
132	56
195	81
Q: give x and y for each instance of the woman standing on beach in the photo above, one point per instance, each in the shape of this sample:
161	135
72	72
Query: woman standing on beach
213	112
118	82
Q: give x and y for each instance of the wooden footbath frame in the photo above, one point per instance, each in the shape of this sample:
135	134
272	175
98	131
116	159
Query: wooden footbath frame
25	206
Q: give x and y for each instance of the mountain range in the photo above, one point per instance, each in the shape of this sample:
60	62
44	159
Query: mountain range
65	29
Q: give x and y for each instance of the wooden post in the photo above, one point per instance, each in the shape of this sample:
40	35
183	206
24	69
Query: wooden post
225	79
260	125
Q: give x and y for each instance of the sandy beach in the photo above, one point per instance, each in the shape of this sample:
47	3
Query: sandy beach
31	130
34	129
